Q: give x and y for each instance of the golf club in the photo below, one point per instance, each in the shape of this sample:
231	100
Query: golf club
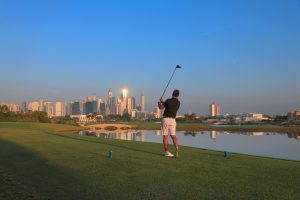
177	67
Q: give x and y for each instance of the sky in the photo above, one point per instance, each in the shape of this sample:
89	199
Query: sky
244	55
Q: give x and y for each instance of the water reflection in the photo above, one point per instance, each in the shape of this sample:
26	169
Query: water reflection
157	132
278	145
192	133
295	136
132	135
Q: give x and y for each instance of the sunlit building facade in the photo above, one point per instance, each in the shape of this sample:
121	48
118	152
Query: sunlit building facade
142	102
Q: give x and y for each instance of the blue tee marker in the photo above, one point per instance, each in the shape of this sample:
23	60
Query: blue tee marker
110	154
226	154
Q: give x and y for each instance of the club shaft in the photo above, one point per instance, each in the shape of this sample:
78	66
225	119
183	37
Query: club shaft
168	83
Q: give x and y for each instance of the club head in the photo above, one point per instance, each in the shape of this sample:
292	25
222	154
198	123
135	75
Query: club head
178	66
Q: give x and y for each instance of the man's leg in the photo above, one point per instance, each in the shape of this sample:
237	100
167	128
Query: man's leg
165	142
173	136
164	128
175	142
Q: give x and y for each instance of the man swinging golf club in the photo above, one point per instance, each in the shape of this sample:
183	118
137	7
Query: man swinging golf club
168	123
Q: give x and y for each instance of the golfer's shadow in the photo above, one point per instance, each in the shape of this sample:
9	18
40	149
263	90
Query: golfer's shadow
99	142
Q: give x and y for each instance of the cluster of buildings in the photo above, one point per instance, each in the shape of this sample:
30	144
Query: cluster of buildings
123	104
293	115
91	105
215	109
215	112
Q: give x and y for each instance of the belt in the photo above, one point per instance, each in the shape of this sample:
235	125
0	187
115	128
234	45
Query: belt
168	117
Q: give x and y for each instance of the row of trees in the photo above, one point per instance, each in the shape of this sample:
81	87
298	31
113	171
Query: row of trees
36	116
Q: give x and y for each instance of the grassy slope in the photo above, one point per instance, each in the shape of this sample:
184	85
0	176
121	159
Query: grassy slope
38	162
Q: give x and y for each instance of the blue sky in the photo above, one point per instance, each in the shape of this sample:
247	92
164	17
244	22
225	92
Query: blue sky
244	55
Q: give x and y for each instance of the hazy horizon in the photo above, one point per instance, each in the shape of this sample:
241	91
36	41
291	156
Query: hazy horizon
244	55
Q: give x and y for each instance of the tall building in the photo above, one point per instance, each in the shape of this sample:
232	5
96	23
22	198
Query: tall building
95	108
133	104
109	102
98	105
212	108
48	108
124	100
76	108
113	106
129	106
68	108
33	106
24	107
88	107
59	109
102	108
142	102
119	107
14	107
218	110
215	109
41	105
157	112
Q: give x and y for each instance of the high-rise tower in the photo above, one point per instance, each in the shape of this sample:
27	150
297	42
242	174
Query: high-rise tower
142	102
212	108
109	102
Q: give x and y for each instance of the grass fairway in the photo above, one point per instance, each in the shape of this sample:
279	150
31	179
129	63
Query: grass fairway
38	161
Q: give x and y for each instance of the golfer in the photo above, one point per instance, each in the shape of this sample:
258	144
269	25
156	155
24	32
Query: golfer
168	123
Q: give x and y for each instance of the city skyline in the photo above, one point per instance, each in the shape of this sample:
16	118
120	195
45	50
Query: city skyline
242	54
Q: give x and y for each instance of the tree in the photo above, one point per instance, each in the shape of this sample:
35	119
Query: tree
4	109
190	116
126	117
40	116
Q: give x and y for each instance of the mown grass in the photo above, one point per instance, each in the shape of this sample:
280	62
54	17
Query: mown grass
38	161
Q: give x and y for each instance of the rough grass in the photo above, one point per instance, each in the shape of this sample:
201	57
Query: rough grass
37	161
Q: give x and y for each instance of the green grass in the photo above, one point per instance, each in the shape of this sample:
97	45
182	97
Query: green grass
38	161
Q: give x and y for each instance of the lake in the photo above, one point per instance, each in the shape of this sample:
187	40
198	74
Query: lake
275	145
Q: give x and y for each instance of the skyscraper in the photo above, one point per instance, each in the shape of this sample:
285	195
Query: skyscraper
212	108
24	107
119	107
133	104
102	108
76	108
157	112
48	108
59	109
33	106
109	102
218	110
113	106
98	105
142	102
124	100
215	109
68	108
95	104
41	105
129	106
89	107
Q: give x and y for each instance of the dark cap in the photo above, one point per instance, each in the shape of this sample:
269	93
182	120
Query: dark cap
175	93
